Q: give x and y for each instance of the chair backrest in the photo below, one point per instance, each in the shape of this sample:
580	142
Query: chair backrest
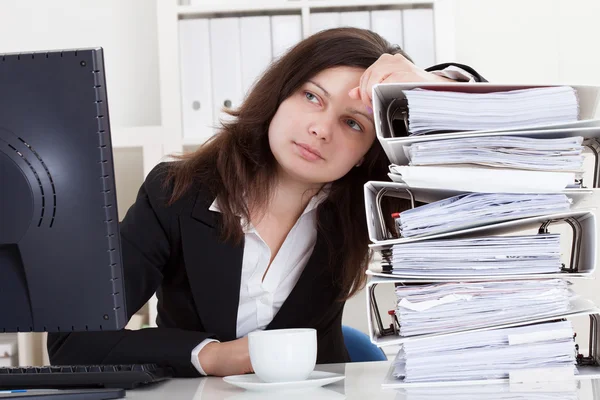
360	347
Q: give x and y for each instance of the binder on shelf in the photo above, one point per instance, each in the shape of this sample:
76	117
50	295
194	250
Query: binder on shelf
12	361
587	368
387	106
226	66
385	334
356	19
255	38
388	24
286	31
196	82
320	21
419	42
8	345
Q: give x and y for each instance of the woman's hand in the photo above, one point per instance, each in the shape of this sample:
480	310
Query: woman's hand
390	69
226	358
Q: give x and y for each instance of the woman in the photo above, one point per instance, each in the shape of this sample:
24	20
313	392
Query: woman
264	226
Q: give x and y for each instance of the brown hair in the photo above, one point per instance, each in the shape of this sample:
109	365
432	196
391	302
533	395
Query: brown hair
238	158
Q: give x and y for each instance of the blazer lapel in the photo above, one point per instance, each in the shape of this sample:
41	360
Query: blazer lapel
213	268
314	290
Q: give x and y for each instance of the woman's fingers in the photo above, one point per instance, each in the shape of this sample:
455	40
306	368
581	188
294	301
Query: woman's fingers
364	81
355	93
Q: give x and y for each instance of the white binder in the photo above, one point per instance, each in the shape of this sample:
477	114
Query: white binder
383	94
556	384
226	66
196	78
419	34
559	385
286	31
584	200
255	34
356	19
581	263
321	21
381	333
388	23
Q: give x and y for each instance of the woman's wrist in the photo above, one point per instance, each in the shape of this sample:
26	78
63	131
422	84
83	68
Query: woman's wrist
208	356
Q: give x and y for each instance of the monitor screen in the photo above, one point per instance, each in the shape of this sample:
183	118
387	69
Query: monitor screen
60	259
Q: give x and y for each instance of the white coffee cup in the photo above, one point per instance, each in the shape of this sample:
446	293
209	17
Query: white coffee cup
283	355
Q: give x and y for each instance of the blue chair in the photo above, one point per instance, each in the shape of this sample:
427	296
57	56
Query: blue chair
360	347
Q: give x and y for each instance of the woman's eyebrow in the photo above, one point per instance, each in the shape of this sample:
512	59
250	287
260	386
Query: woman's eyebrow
348	109
320	87
355	111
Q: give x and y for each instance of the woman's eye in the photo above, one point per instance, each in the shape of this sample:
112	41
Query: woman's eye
311	97
353	124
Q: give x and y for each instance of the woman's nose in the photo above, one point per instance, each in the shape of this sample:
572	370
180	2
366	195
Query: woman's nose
321	128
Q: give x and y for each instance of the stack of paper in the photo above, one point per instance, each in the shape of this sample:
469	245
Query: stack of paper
477	209
487	355
477	257
563	154
440	111
460	306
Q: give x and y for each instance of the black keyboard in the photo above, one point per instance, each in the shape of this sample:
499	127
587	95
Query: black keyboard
82	376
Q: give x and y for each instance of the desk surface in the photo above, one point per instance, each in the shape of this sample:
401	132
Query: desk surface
363	381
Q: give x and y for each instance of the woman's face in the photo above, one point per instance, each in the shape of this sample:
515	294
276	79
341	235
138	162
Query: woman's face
319	133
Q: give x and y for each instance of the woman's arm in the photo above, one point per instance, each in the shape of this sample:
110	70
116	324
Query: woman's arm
396	68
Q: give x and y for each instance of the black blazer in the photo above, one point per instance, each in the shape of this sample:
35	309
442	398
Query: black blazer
176	252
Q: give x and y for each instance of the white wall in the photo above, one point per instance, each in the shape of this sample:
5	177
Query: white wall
547	41
126	29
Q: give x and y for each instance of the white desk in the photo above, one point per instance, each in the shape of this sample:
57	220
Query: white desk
363	381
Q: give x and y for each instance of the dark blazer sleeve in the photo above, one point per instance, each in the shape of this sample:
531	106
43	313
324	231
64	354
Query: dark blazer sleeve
146	241
468	69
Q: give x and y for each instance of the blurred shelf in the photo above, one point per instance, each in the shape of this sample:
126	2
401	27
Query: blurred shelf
137	136
365	3
236	8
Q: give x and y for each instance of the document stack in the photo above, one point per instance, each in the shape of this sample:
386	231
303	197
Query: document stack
489	216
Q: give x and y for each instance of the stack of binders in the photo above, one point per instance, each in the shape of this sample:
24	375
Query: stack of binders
488	217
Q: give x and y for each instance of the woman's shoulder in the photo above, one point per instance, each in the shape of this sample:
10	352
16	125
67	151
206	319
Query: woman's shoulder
160	186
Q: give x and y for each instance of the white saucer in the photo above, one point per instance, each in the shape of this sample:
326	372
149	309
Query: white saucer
252	382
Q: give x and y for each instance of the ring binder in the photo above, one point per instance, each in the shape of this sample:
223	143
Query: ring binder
582	259
594	145
383	230
580	263
393	142
385	336
399	105
575	243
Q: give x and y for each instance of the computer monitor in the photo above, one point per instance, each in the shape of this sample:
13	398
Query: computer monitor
60	258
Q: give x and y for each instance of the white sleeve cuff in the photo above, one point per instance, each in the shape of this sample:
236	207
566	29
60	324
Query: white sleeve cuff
196	351
455	73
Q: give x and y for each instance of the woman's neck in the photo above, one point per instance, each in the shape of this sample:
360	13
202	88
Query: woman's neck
289	199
